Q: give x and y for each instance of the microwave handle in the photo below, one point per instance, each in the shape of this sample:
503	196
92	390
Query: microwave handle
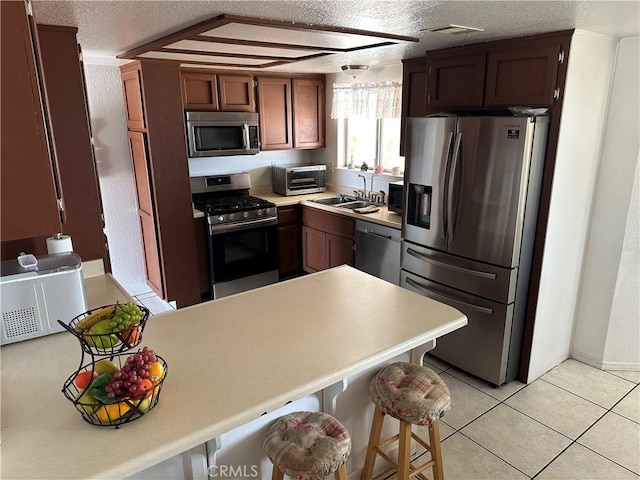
245	136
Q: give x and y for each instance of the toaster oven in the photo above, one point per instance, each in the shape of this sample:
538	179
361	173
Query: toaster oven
298	179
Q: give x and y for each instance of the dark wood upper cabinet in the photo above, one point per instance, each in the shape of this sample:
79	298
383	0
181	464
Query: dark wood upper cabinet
134	104
308	113
28	192
199	90
236	93
414	93
69	118
162	183
274	100
455	81
522	76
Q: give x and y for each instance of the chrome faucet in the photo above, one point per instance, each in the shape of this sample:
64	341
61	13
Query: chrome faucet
364	183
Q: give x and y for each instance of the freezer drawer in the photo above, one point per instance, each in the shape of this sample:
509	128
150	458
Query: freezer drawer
482	348
487	281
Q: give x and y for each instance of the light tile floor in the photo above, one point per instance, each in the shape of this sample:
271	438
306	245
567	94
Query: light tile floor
574	423
153	302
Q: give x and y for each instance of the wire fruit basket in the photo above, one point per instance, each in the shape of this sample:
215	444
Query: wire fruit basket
118	385
85	388
109	329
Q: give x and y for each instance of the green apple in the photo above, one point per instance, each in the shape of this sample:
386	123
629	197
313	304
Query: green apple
142	405
85	402
105	366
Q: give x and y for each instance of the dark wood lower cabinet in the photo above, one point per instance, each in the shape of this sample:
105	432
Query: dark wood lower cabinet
313	250
151	253
290	240
327	240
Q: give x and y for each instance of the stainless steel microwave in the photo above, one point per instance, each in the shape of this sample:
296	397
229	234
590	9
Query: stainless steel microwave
215	134
396	194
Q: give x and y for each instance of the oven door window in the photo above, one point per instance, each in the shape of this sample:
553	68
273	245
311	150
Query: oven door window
302	180
244	253
209	138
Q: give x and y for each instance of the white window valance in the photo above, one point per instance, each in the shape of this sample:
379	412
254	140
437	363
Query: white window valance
367	100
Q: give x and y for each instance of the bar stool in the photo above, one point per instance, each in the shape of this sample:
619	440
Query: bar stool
415	395
307	445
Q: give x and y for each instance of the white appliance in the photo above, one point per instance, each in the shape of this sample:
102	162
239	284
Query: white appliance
34	298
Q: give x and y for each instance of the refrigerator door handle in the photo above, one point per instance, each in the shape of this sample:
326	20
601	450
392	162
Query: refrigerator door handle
443	184
446	298
468	271
452	182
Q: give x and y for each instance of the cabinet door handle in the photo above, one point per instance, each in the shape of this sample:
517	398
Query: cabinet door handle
428	292
468	271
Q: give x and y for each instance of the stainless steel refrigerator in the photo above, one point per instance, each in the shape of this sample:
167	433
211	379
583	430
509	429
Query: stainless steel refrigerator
472	185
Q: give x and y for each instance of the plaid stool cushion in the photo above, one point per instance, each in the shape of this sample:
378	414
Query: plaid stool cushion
410	392
307	444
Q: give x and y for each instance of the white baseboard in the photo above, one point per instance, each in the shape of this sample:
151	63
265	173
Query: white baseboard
599	364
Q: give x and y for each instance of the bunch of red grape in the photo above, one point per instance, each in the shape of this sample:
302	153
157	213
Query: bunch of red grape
127	382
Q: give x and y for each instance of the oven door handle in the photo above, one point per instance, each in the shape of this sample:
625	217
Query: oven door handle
236	227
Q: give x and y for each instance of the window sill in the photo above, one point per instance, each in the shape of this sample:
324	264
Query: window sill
389	176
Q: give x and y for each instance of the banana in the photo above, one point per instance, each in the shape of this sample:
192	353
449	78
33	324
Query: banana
90	320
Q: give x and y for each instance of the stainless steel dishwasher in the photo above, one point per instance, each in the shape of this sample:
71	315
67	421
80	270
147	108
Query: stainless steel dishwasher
378	250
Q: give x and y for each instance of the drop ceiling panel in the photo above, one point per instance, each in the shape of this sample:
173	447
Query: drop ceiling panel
260	43
303	37
206	59
272	52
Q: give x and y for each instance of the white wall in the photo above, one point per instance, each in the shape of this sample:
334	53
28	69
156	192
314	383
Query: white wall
607	331
258	166
115	172
582	124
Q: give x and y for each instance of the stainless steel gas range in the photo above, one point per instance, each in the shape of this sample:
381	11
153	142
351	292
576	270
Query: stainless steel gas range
241	233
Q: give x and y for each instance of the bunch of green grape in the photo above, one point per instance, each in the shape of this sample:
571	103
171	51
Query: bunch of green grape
124	316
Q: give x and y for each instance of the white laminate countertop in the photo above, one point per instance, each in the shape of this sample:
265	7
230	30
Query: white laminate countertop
382	216
229	360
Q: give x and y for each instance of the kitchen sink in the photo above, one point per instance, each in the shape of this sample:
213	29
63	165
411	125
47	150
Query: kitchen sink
343	201
329	200
355	204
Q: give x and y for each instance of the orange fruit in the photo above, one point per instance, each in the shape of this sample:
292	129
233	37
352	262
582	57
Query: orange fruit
111	412
156	372
131	335
148	388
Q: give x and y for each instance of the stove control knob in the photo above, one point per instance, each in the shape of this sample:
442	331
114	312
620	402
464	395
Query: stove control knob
231	216
259	212
220	218
269	211
245	214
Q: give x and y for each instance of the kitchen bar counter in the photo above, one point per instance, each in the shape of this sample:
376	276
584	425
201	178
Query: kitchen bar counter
229	361
382	217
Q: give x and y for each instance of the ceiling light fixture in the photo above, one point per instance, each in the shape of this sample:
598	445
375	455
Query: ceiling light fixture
354	70
456	29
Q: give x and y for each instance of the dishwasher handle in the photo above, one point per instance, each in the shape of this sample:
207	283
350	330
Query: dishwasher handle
381	235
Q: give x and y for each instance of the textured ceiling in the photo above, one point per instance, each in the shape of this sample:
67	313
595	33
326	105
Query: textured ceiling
109	28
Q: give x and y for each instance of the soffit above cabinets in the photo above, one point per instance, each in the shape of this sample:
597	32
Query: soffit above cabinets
232	41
